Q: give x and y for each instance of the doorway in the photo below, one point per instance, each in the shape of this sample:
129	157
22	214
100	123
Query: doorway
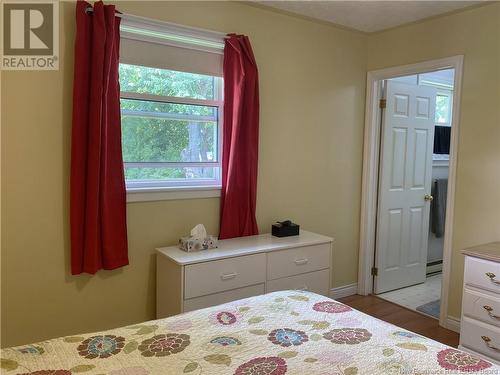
408	184
413	182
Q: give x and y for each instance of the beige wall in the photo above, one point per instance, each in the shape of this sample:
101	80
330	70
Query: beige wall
312	80
476	34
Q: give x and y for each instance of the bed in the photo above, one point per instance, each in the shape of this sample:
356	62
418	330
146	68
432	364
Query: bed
285	332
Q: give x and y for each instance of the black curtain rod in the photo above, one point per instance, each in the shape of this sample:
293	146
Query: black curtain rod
89	10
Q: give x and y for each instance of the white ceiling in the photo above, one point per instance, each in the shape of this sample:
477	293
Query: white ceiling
369	16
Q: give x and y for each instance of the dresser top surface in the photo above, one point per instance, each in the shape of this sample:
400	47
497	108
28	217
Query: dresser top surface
243	246
489	251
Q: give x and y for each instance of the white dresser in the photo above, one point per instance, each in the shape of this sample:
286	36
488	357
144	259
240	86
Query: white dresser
480	323
239	268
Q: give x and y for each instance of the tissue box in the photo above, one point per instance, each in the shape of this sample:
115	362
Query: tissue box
285	229
191	244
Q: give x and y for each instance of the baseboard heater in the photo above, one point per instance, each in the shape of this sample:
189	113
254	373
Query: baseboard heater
434	267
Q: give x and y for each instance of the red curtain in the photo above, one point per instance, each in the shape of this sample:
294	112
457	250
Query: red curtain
240	139
98	207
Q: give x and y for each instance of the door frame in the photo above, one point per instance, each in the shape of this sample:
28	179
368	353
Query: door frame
371	151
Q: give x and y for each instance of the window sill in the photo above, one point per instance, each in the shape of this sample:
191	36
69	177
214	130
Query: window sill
172	193
440	160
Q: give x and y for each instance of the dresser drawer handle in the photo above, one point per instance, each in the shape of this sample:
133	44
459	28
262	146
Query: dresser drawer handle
228	276
492	278
489	344
490	312
300	262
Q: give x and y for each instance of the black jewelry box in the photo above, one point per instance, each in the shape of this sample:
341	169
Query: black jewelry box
285	228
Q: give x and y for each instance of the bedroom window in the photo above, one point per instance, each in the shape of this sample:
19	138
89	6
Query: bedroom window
443	108
170	127
171	108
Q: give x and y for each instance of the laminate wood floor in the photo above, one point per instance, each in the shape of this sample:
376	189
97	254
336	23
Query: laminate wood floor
402	317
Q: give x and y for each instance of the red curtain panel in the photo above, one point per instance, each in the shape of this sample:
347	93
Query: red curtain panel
240	139
98	206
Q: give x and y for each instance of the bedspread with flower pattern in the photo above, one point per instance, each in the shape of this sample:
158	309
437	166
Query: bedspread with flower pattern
279	333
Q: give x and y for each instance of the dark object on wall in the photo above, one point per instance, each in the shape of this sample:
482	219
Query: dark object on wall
442	136
285	229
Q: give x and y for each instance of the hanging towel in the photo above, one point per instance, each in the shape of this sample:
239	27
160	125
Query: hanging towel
438	206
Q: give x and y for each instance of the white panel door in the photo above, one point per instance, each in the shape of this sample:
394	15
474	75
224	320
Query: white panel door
405	180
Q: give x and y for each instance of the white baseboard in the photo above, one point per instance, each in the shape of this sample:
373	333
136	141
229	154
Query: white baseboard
344	291
453	324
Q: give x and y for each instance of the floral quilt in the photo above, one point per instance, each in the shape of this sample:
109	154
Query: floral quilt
279	333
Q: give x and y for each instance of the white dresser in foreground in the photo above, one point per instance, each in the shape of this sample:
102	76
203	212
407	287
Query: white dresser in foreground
239	268
480	323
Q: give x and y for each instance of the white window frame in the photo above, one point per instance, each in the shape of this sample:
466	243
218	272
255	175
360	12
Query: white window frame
147	185
443	159
443	90
449	95
185	37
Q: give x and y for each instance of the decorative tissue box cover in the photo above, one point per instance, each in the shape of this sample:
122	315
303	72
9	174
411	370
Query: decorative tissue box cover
190	244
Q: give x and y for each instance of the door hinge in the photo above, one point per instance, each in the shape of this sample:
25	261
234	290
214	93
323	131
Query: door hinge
382	103
374	271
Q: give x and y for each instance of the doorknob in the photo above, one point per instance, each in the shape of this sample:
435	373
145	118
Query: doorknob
428	197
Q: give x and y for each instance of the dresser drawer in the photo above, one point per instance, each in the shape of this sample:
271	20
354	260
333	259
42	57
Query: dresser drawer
482	274
226	274
317	282
481	306
296	261
223	297
471	336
